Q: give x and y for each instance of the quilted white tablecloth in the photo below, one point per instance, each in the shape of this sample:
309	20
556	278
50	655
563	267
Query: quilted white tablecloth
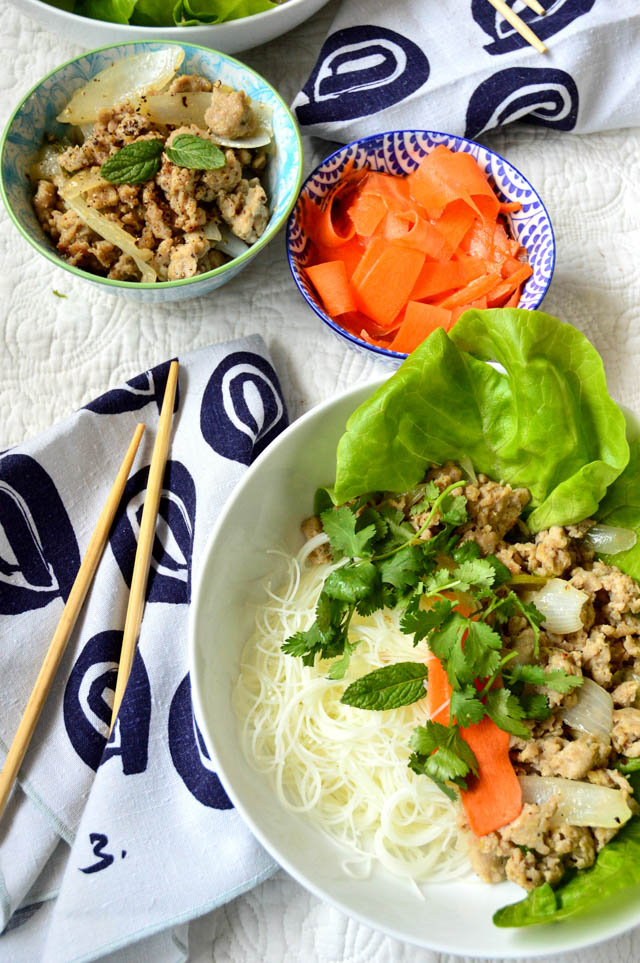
57	353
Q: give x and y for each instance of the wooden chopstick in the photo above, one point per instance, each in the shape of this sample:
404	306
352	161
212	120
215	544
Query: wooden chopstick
518	24
535	6
65	625
145	541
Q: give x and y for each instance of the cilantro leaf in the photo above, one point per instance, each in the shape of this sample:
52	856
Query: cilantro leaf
466	551
480	657
398	531
340	526
442	578
441	753
476	574
297	644
391	686
339	668
453	509
556	679
535	706
504	708
402	569
350	583
502	573
466	708
329	611
422	621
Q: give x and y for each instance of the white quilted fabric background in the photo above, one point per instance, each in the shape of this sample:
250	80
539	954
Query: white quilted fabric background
57	353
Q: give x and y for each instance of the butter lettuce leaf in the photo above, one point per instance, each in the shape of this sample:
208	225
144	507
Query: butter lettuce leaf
616	868
165	13
621	504
546	422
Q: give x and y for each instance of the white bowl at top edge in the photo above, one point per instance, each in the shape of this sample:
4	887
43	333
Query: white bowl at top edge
230	37
263	513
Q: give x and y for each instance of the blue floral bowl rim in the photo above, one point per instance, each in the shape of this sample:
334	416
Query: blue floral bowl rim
342	332
56	259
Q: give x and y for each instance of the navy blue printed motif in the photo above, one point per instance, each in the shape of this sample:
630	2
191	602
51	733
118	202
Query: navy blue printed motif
98	841
538	95
87	713
39	556
242	407
142	390
189	753
360	71
504	38
170	574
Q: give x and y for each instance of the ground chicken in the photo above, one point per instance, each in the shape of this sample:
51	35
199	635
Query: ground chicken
310	528
229	114
245	210
626	732
493	510
176	215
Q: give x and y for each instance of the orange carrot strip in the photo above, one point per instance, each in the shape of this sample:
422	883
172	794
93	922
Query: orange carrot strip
504	288
331	282
351	253
508	207
330	231
457	313
373	251
394	190
418	323
494	799
454	224
473	290
462	171
510	265
366	212
407	227
440	276
438	692
514	300
383	291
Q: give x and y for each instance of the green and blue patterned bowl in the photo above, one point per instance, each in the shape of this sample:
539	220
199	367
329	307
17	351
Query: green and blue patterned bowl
36	114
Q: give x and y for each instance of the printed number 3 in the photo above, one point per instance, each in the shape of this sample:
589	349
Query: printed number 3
99	841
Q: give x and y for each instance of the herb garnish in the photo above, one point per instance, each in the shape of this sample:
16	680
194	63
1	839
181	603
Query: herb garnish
385	563
134	163
196	153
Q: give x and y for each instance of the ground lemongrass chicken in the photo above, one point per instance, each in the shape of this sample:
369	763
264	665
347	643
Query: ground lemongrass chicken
175	217
347	767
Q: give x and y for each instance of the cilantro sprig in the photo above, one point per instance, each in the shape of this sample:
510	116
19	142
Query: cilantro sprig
383	561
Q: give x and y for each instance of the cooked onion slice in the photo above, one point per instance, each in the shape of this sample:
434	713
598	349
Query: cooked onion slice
111	232
47	165
593	712
609	539
180	110
125	79
83	181
230	244
579	803
561	605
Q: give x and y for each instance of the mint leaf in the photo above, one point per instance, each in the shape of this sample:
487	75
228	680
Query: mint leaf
505	710
196	153
466	708
135	163
340	526
351	582
388	688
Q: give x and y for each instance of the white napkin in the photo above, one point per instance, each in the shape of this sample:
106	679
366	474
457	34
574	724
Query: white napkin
154	840
457	66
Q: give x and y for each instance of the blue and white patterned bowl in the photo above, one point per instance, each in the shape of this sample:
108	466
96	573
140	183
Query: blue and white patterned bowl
36	114
400	152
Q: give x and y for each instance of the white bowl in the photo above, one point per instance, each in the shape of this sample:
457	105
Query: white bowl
265	512
230	37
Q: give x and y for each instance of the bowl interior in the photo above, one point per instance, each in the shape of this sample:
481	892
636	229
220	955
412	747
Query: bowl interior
264	513
36	116
400	152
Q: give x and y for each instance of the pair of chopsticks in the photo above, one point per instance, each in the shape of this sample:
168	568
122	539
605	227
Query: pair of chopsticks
518	23
83	581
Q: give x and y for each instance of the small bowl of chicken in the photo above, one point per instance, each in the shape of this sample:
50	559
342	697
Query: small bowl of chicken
155	170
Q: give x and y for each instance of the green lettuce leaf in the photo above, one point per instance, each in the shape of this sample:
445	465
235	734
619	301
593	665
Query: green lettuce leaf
621	505
547	423
116	11
193	12
616	868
